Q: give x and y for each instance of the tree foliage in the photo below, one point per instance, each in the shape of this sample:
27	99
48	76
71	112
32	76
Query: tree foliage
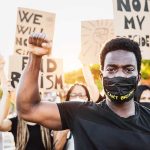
145	69
76	76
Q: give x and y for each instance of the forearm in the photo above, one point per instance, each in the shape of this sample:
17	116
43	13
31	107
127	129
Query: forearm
5	124
93	90
60	139
4	107
4	103
28	91
3	77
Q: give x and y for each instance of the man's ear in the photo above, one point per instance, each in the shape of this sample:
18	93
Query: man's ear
101	74
139	77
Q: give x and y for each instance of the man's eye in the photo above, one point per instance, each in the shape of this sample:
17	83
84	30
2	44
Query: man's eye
129	70
111	70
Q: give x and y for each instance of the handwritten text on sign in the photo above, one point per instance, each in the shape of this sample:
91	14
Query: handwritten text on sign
132	19
29	21
51	72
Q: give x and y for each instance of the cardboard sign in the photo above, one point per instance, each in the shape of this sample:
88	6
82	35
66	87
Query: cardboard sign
93	35
132	20
29	21
50	77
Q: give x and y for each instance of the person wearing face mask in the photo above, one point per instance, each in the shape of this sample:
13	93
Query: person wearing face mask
63	140
116	123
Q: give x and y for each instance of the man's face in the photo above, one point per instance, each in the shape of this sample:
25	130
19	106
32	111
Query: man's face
120	63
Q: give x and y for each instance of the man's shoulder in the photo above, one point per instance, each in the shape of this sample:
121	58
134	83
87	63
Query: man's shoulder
81	105
76	104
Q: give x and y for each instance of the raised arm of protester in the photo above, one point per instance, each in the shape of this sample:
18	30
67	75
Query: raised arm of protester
29	104
5	101
93	89
5	124
3	79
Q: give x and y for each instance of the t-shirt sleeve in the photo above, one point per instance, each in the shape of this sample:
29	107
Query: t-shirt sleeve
69	112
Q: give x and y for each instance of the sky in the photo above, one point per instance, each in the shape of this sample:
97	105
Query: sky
69	14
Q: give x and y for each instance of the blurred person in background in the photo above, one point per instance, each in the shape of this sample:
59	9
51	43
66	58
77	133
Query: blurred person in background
142	95
63	140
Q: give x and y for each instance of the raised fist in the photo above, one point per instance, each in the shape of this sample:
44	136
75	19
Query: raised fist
38	44
37	39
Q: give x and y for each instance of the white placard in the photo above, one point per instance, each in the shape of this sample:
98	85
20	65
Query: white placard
132	20
29	21
51	73
93	35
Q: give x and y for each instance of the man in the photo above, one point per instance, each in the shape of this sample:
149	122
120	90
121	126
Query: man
117	123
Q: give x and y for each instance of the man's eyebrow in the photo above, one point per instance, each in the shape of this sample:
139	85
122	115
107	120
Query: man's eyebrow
129	65
114	65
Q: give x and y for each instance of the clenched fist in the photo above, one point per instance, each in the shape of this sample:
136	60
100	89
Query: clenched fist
38	44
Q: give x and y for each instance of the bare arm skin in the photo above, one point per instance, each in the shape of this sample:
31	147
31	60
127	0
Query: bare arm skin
60	139
5	124
93	89
29	104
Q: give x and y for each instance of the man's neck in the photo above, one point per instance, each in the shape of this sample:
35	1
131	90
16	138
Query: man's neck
124	110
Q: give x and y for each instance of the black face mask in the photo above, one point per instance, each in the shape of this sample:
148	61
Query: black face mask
146	104
120	89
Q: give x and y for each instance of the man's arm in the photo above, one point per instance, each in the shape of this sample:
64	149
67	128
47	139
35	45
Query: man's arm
29	104
93	89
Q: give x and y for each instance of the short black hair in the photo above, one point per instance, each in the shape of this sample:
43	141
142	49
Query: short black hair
121	44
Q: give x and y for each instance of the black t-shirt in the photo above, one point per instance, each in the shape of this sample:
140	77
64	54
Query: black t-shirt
97	127
35	138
